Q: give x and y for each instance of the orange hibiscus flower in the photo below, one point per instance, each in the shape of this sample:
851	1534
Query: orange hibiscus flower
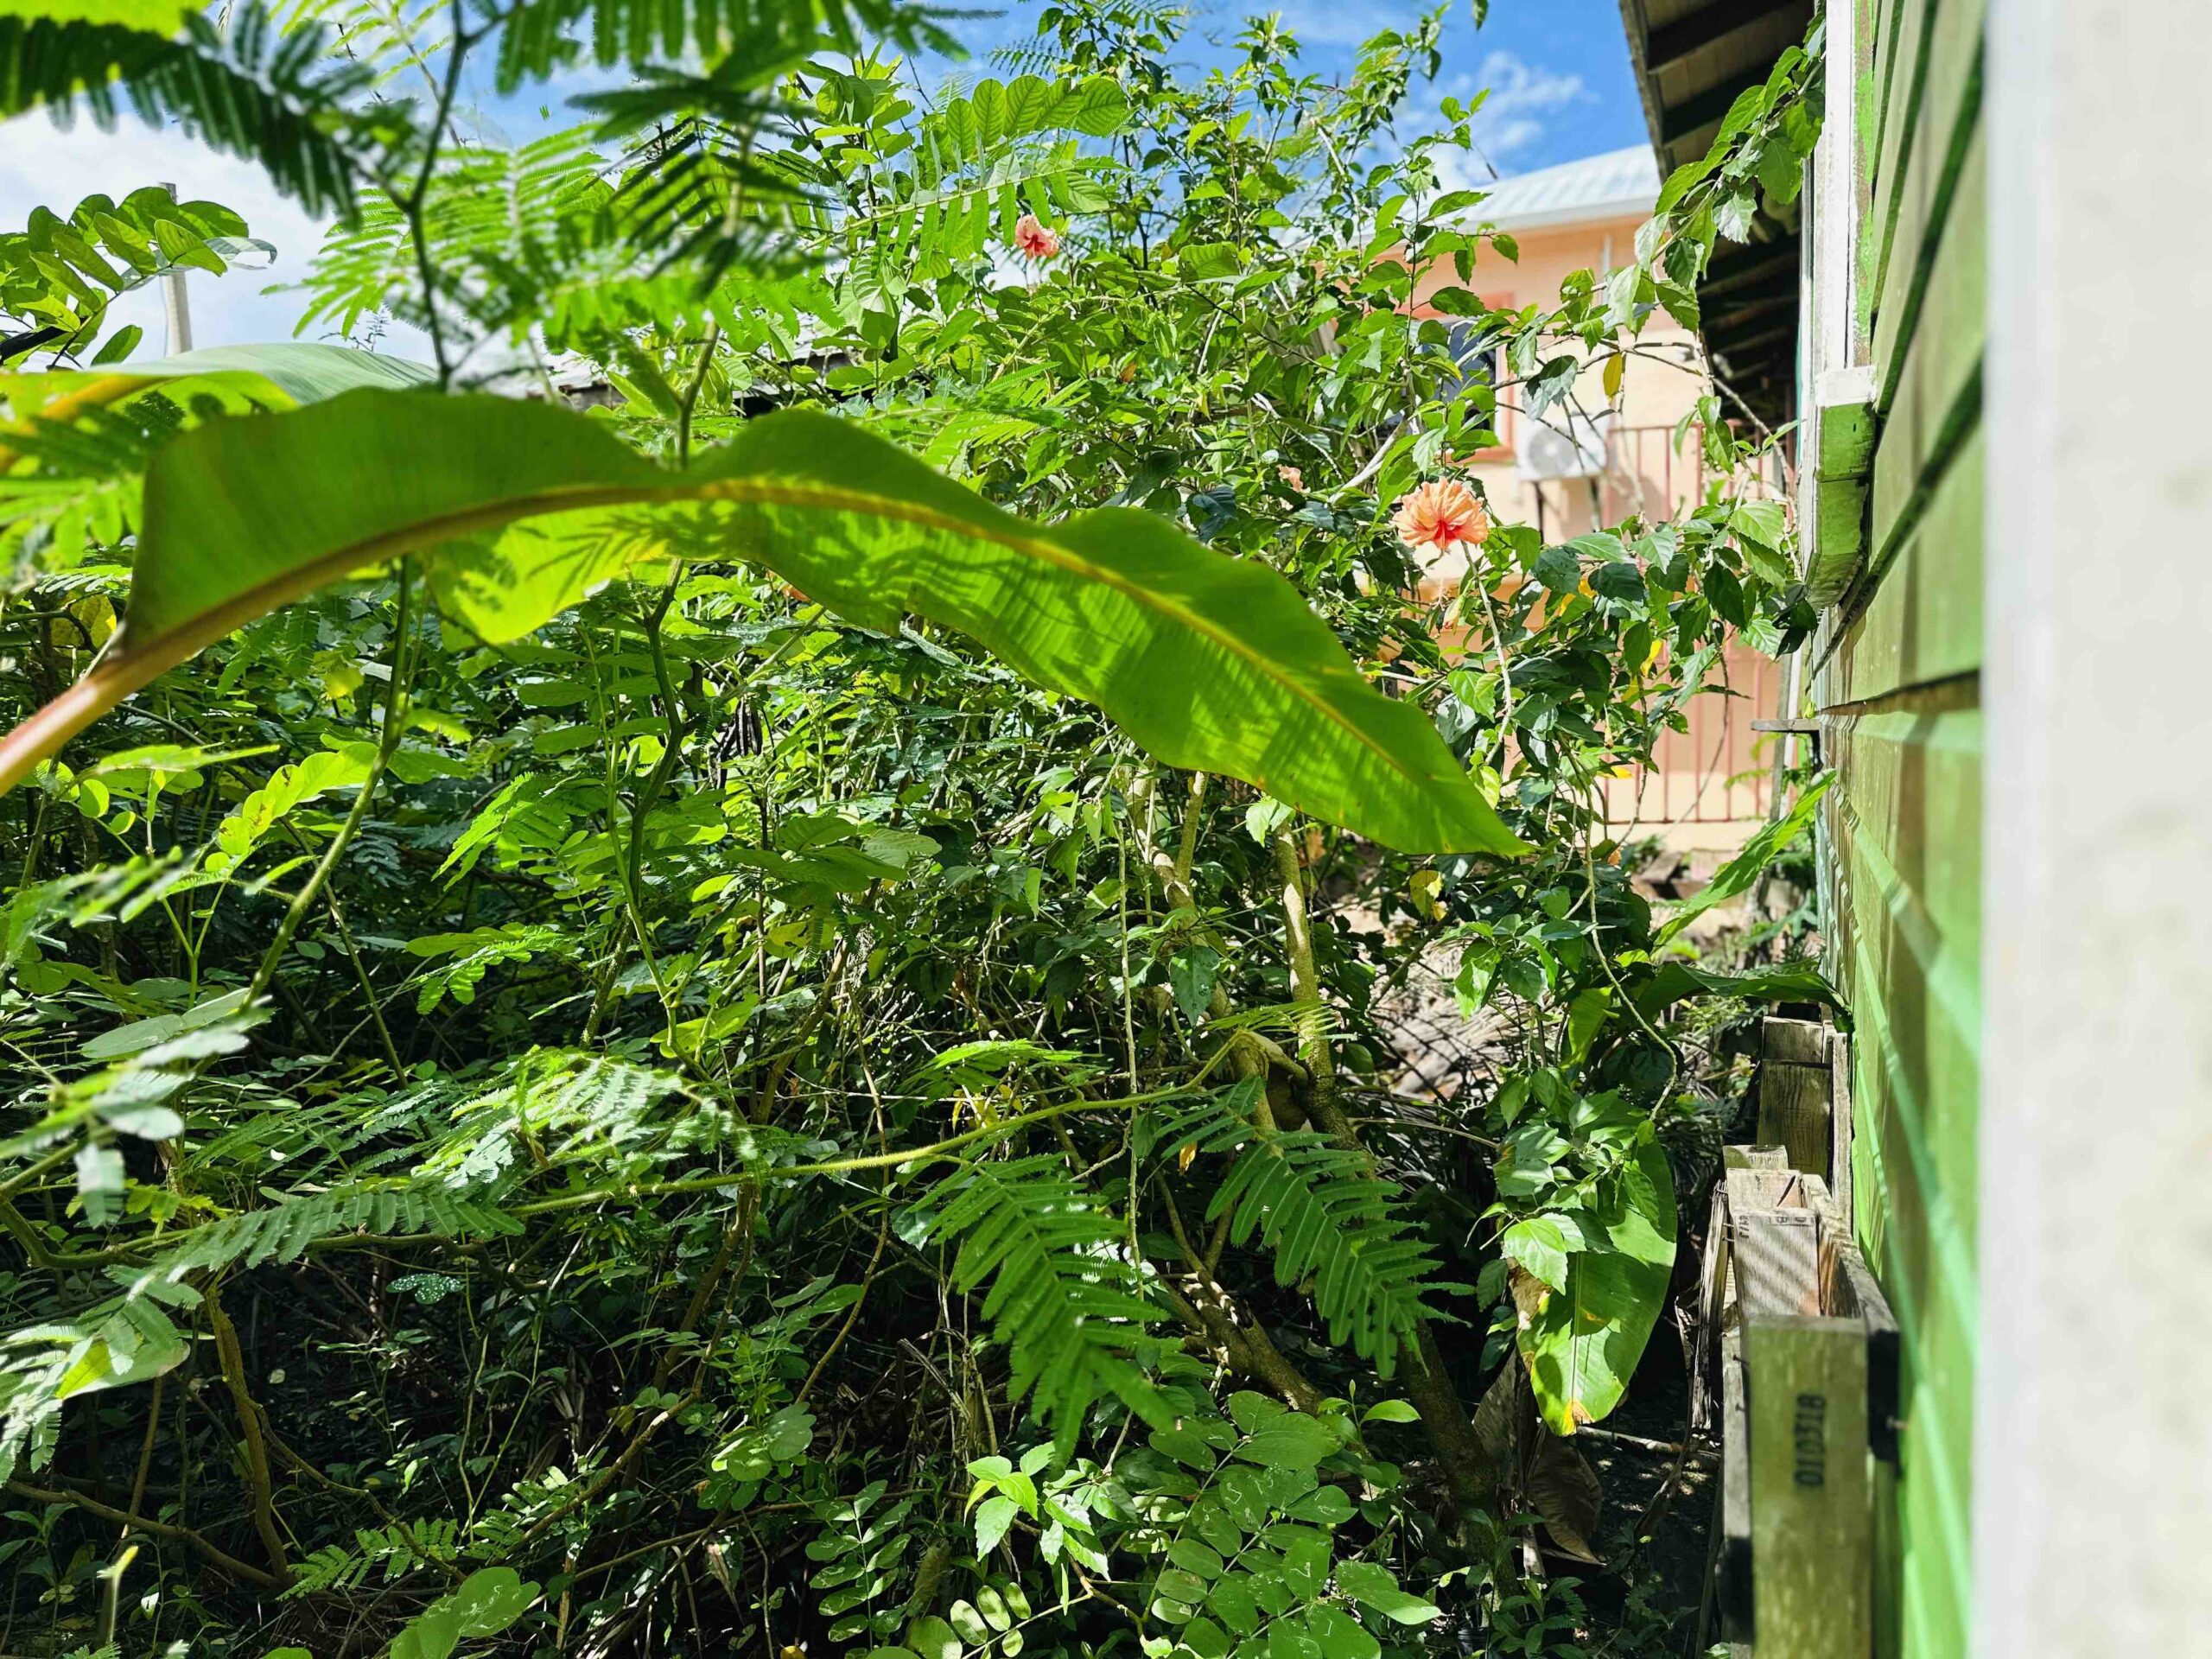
1440	514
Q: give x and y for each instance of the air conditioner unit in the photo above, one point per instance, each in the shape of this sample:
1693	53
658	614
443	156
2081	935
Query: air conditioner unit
1562	445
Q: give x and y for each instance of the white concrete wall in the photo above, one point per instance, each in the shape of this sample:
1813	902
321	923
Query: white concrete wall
2093	1478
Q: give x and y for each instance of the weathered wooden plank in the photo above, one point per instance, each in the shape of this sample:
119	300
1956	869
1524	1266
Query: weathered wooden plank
1713	1285
1920	194
1839	1127
1794	1112
1793	1042
1755	1187
1735	1591
1811	1556
1848	1291
1792	1087
1733	1156
1775	1255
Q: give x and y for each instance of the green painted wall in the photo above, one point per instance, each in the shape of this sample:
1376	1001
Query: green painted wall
1898	674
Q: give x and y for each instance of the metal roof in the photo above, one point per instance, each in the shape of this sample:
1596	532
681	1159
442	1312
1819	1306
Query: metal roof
1692	59
1620	184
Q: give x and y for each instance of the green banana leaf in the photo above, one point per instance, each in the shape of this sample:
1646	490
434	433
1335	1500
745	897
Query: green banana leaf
1210	662
1582	1346
283	376
160	16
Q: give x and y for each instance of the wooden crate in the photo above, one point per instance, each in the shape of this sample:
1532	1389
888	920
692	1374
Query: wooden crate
1806	1385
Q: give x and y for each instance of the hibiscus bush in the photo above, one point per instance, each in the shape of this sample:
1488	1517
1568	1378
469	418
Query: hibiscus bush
779	1011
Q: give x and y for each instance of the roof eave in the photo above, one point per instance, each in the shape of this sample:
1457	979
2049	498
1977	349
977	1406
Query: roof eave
1637	206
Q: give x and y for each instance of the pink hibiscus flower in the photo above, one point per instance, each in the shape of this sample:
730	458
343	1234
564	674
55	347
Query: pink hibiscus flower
1034	240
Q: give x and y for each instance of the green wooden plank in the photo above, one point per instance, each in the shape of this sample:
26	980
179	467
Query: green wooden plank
1925	383
1890	26
1907	849
1903	841
1918	197
1923	623
1903	73
1935	416
1841	482
1867	146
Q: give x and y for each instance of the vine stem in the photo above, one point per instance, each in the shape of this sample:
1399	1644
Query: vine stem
260	1483
229	1564
416	197
1470	1471
935	1152
403	657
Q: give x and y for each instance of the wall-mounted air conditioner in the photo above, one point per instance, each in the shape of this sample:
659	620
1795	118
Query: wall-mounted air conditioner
1563	444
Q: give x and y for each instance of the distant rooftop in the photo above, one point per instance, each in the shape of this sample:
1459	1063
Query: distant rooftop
1617	185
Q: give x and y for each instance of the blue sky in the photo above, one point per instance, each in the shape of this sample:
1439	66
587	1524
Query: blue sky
1558	71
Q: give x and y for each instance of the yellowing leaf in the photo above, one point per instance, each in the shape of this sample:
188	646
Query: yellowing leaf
1582	1343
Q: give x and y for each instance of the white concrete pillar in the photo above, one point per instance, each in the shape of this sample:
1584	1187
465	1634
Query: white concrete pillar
2092	1446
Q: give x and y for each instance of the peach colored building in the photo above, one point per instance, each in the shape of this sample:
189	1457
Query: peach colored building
1587	462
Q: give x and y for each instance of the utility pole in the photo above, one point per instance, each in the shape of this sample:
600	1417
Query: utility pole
179	303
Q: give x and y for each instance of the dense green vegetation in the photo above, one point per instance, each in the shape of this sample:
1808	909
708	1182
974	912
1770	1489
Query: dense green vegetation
757	1018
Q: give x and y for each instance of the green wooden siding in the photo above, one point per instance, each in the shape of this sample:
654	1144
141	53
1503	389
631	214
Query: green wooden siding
1897	676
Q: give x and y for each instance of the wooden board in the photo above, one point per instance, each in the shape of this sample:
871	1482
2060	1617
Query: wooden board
1923	623
1713	1298
1794	1113
1933	385
1793	1042
1904	829
1810	1498
1839	1127
1734	1595
1901	68
1848	1291
1735	1156
1760	1187
1920	193
1775	1255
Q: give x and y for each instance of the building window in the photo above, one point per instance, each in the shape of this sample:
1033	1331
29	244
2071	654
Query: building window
1481	360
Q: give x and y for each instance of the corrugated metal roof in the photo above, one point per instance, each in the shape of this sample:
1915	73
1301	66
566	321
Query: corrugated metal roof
1692	59
1612	186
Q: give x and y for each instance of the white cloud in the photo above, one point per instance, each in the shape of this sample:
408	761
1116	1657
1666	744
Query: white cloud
1320	23
1523	102
41	165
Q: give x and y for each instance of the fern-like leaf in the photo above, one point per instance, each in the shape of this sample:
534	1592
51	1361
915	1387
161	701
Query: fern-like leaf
1065	1299
401	1548
1326	1217
547	36
272	97
284	1232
